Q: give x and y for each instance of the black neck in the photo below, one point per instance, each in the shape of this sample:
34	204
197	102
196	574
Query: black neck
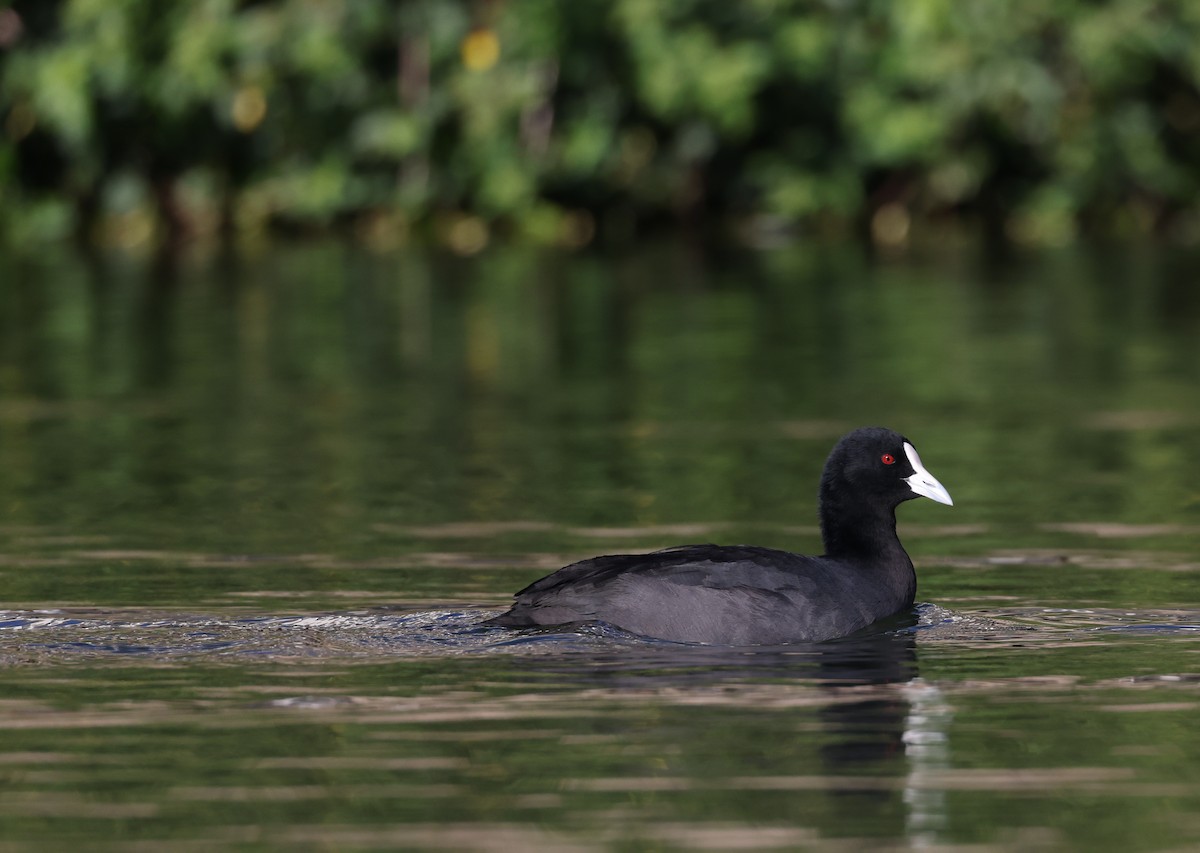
860	533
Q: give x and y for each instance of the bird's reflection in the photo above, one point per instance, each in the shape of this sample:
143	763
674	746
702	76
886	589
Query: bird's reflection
871	730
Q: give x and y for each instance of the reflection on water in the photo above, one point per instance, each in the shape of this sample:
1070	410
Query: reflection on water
461	732
253	510
327	394
927	748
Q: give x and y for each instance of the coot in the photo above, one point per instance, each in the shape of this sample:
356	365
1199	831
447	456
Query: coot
747	595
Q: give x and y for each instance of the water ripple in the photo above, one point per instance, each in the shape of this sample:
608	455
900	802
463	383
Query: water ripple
65	634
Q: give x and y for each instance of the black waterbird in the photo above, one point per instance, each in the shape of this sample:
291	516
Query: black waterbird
747	595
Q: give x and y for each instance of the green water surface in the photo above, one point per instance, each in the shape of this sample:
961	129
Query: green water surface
253	506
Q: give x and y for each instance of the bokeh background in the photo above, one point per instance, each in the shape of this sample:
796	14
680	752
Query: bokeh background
465	121
327	324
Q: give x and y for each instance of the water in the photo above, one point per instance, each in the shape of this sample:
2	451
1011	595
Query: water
253	510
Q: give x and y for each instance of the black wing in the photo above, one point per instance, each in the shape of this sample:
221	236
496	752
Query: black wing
688	565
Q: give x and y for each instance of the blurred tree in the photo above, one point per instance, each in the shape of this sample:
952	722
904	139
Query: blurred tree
129	118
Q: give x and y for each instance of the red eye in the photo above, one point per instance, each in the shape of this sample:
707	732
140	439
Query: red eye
888	459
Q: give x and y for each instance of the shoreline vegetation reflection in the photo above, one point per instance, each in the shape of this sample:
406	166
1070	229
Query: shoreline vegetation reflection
668	393
253	508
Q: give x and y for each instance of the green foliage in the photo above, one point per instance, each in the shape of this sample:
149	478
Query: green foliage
1036	119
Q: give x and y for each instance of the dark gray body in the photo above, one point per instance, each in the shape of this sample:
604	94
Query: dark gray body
732	595
746	595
